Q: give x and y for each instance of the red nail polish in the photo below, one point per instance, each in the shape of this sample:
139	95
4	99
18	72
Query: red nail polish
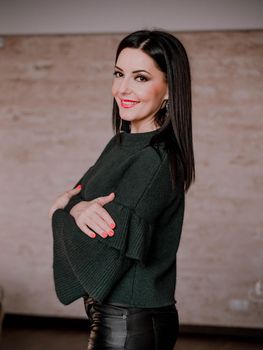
111	233
104	235
93	235
79	187
112	225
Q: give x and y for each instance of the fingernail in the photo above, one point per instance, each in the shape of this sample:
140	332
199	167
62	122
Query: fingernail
111	233
92	235
112	225
79	187
104	235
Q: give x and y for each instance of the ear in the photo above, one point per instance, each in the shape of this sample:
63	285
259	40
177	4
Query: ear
164	103
166	96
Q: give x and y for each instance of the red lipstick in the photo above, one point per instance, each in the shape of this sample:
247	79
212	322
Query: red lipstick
128	103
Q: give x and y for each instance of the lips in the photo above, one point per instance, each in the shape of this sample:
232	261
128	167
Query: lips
128	103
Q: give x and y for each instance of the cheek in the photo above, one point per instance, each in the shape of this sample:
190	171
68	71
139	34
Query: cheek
153	94
145	92
153	91
114	88
160	92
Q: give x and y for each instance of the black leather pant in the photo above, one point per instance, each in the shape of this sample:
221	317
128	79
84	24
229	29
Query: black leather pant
115	327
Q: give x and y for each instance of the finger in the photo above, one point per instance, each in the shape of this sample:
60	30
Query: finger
105	216
105	199
98	225
84	228
74	191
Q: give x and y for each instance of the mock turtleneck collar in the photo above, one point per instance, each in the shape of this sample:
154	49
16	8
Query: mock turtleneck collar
128	138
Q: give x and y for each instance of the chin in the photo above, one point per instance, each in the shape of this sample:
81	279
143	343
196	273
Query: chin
127	118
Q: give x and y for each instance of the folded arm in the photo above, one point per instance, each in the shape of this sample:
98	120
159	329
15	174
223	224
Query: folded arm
96	264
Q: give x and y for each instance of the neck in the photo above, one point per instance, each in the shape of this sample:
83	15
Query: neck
134	129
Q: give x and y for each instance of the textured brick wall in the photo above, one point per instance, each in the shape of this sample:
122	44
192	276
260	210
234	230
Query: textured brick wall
55	118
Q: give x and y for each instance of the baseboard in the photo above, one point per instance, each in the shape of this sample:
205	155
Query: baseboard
237	332
32	321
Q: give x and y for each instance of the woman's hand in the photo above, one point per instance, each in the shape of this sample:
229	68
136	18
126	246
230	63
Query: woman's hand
63	199
90	215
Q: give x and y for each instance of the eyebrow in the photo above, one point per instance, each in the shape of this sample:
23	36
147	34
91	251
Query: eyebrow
135	71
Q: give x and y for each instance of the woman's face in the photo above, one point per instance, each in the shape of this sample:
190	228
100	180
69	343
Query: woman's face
139	89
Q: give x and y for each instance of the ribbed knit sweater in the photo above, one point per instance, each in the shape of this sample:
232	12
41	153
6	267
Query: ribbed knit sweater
137	266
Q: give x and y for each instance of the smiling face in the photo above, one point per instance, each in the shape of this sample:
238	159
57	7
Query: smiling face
139	89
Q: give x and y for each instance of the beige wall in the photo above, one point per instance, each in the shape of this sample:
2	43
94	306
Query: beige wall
55	118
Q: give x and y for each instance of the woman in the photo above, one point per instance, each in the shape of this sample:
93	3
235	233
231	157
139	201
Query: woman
116	234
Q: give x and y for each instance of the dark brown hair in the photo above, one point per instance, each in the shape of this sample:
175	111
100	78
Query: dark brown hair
175	121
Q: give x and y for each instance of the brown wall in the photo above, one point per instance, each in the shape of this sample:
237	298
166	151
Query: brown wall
55	118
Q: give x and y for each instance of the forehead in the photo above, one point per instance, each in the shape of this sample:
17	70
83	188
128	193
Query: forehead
134	59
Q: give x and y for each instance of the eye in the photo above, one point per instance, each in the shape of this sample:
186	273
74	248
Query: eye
117	74
141	78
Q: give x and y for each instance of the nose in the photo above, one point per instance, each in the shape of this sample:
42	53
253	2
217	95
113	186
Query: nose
125	86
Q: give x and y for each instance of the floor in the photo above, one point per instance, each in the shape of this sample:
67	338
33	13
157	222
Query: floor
74	337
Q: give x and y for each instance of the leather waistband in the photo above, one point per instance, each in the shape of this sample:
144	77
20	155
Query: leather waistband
119	309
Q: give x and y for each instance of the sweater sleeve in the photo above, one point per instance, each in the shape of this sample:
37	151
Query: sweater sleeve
93	266
78	198
81	265
142	195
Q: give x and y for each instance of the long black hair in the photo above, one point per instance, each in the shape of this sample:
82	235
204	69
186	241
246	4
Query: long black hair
174	119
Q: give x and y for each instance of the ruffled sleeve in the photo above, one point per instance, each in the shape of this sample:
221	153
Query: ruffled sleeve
82	265
132	233
142	195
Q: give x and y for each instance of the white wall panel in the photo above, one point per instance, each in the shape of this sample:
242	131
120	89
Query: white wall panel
100	16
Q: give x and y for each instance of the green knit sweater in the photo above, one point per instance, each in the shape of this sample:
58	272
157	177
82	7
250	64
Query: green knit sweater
137	266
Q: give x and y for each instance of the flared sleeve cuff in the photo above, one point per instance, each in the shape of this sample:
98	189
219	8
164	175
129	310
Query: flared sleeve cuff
82	265
133	234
